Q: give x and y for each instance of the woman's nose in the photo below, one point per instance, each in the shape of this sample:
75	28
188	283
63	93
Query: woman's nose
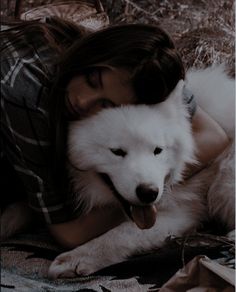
86	102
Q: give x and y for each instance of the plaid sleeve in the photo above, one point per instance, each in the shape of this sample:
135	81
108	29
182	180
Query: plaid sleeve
25	126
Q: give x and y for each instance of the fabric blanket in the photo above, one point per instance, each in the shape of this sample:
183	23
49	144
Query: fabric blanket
25	260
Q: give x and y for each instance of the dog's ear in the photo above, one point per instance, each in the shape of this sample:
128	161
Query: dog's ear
174	102
177	93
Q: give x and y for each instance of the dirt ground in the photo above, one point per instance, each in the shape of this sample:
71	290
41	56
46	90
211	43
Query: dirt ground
203	30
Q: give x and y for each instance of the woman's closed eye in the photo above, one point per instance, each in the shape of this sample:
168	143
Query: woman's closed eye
93	78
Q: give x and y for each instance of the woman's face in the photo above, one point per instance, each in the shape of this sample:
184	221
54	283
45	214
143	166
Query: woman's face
100	88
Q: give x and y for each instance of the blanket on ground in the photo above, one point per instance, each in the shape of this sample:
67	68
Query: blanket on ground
25	260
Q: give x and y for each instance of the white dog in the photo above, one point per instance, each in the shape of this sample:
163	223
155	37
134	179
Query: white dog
135	157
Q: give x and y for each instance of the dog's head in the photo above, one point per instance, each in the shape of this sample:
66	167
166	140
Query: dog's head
135	150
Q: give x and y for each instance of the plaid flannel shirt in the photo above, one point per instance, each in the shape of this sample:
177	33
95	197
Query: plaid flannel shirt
26	73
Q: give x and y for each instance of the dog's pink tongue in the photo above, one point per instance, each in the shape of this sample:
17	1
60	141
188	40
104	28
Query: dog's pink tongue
144	217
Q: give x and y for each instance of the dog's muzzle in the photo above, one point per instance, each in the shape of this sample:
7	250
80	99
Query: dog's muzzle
144	216
125	204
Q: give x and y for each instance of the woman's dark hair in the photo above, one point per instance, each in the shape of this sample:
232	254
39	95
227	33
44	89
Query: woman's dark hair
58	33
146	51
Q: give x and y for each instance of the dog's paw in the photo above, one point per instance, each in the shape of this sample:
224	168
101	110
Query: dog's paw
72	264
63	266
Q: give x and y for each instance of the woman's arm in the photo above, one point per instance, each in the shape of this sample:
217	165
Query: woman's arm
210	139
86	227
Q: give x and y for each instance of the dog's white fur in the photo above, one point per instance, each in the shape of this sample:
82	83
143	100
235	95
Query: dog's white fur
215	93
138	130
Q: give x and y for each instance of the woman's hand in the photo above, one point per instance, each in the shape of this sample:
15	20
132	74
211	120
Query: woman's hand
210	140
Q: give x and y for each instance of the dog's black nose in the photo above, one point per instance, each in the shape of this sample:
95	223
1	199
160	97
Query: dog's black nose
146	194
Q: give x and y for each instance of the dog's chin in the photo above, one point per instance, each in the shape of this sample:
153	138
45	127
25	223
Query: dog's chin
144	216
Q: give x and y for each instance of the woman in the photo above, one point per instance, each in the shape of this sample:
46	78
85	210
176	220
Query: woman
55	72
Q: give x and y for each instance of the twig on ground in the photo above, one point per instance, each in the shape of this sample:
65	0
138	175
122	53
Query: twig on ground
149	14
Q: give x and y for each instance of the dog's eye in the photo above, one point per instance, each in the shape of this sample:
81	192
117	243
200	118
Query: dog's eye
118	152
157	150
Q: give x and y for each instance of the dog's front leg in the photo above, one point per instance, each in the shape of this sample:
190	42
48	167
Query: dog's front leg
118	244
110	248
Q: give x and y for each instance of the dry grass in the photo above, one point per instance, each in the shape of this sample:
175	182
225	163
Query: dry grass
203	30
